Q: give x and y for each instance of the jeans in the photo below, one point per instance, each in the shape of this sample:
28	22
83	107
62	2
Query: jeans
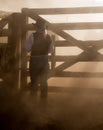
39	68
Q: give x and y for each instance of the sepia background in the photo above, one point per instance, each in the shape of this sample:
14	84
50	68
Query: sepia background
75	103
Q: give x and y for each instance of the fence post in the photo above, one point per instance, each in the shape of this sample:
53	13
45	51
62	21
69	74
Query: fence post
14	40
53	62
23	52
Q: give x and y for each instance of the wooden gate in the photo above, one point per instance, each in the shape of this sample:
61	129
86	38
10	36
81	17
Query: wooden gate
10	57
89	49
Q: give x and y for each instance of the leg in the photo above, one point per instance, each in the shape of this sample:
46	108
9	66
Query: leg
43	81
33	76
44	87
34	84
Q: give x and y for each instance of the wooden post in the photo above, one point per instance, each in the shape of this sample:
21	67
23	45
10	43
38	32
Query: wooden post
14	40
23	53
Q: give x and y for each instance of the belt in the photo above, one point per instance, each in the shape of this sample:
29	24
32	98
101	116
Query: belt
39	56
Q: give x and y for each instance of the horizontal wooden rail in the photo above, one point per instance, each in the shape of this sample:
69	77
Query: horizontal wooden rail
3	22
61	58
64	43
3	45
79	26
72	10
78	74
72	26
4	32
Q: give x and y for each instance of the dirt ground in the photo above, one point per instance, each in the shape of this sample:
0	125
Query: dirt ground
66	108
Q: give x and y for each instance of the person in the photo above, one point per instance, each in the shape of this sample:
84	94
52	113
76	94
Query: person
39	44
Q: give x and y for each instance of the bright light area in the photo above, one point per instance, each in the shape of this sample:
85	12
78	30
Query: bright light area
86	67
1	80
76	82
84	35
73	18
3	39
68	51
12	5
99	1
101	51
58	63
93	34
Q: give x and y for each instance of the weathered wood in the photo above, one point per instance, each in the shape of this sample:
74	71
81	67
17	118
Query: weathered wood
24	57
53	62
3	22
66	64
78	74
18	28
3	45
73	26
90	47
90	56
14	43
93	43
64	43
55	29
4	32
61	58
30	27
72	10
74	74
79	26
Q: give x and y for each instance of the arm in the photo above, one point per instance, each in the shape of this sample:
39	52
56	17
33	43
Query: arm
51	48
29	43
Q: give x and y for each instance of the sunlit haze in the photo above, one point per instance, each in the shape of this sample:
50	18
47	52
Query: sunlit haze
16	6
92	34
12	5
72	97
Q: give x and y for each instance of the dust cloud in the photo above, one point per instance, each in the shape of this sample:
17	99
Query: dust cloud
68	108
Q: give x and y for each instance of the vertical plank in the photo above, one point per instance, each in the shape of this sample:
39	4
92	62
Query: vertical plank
53	62
23	53
14	39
